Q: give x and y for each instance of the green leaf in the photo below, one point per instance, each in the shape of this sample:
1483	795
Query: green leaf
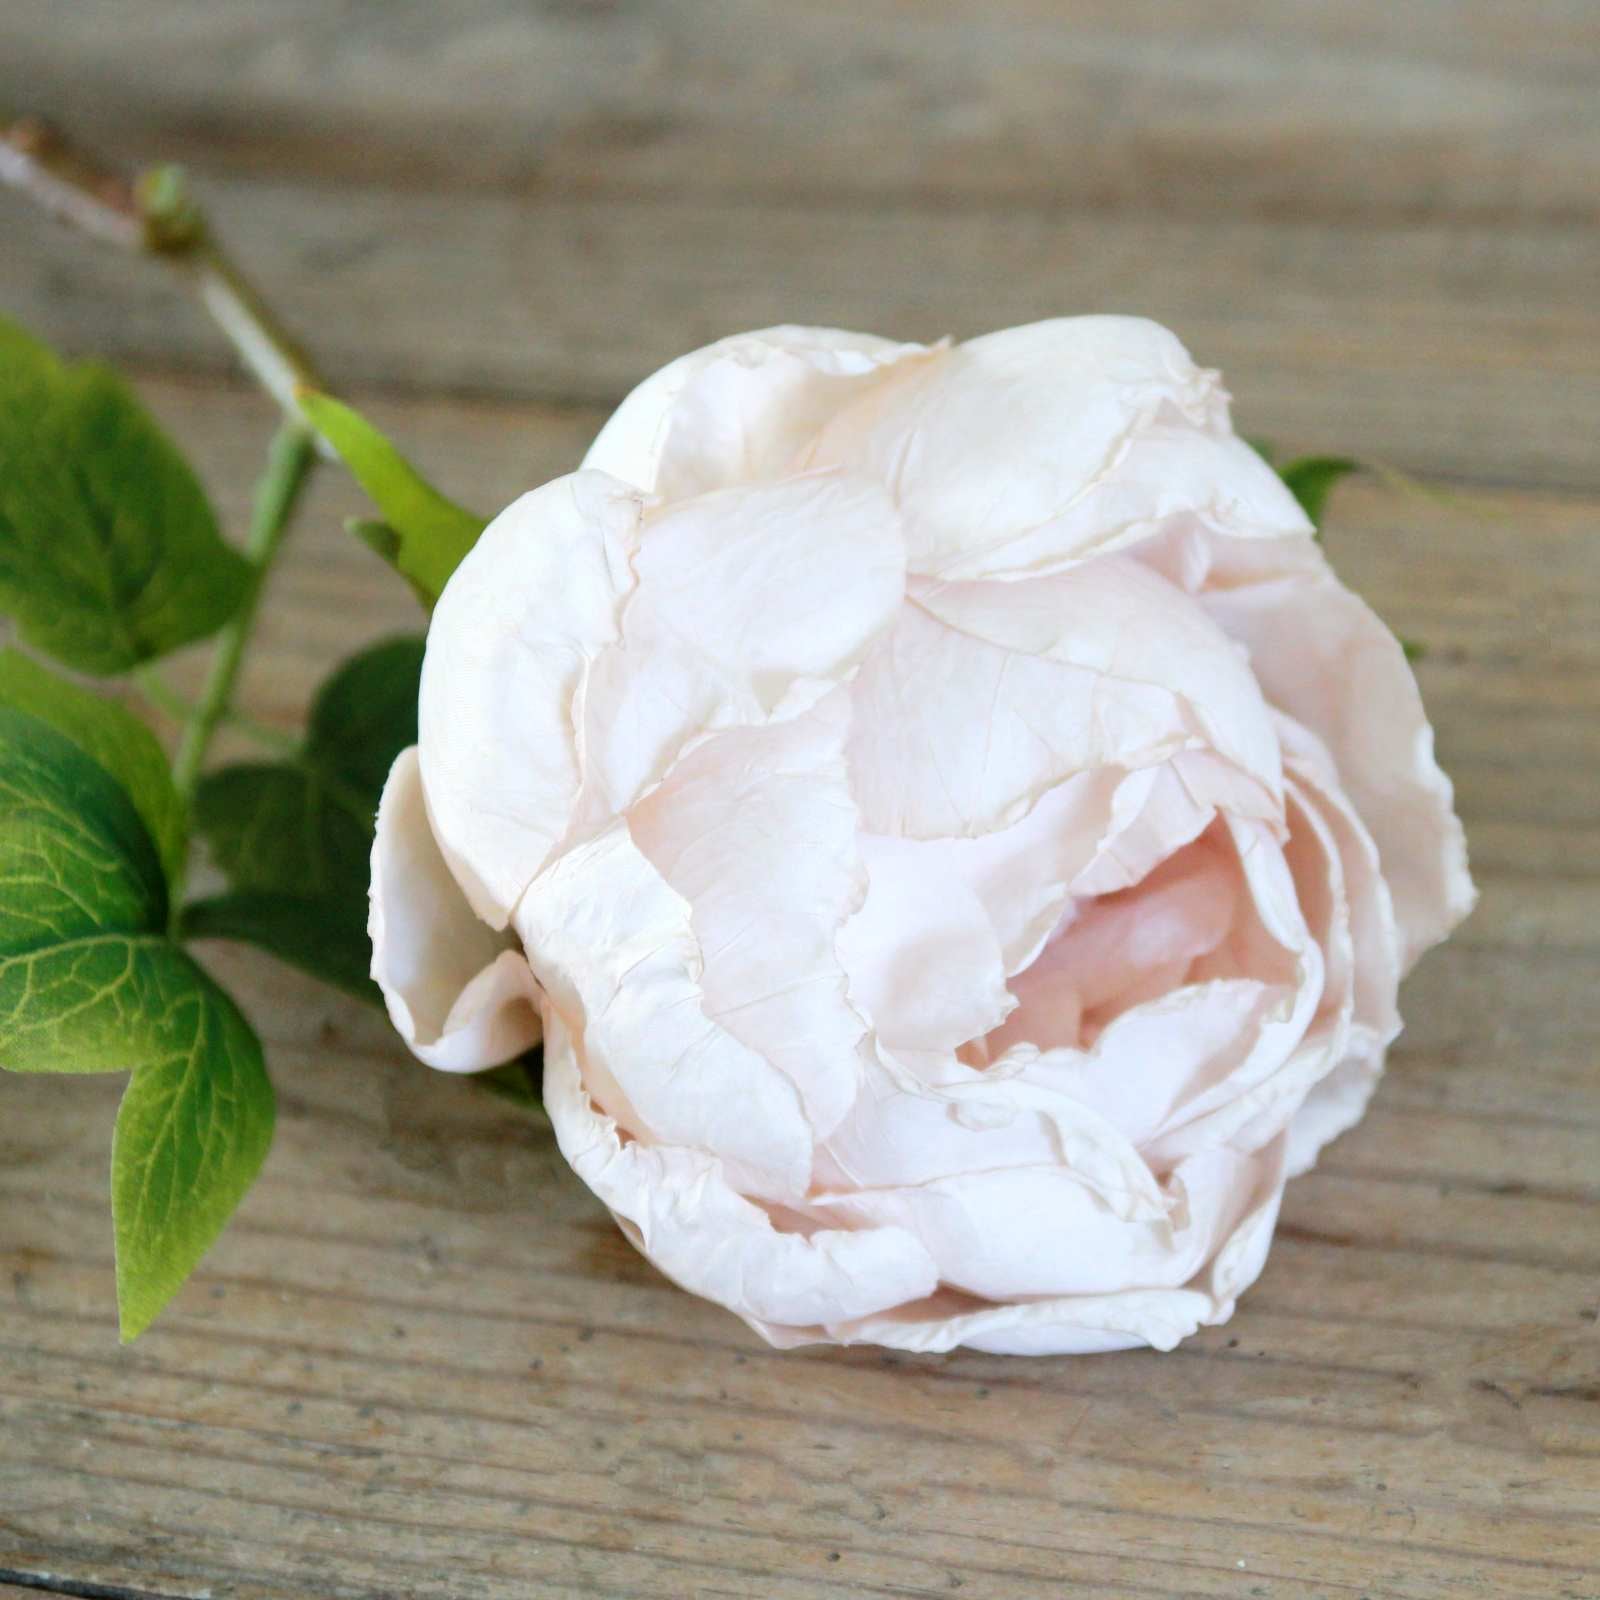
192	1133
432	533
1414	649
77	869
365	714
1311	478
109	734
109	550
90	982
295	838
280	826
325	936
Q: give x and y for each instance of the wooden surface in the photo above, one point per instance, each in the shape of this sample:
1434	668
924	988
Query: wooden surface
422	1362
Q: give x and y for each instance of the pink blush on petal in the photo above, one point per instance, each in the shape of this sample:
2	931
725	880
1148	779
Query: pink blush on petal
1115	951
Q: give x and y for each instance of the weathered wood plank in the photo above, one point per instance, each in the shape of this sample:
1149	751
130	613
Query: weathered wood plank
1472	352
520	1390
1462	108
455	1378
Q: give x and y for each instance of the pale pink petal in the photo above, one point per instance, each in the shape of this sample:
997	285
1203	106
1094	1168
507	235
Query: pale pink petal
614	948
1374	937
1149	1061
460	994
1158	810
1118	951
1118	619
1323	657
1362	946
513	638
678	1207
757	831
1020	874
922	1118
924	964
741	410
1036	1232
1077	1324
1337	1102
751	605
956	737
1022	451
1248	1105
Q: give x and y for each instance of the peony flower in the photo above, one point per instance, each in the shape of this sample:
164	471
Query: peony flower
958	837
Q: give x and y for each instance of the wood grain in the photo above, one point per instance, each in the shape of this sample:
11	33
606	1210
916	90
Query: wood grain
1460	108
1456	350
423	1362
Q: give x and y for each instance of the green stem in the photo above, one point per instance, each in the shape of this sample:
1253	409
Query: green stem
289	463
264	734
161	694
165	698
158	216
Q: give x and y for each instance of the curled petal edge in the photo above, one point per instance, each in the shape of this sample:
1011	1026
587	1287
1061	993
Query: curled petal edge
461	995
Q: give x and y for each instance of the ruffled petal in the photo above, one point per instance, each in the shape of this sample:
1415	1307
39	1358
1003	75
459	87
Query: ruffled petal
925	966
922	1119
751	605
757	831
741	410
614	948
678	1207
1023	451
1121	621
1116	951
1029	1232
1324	658
1337	874
1249	1103
1148	1062
1082	1324
513	638
460	994
982	697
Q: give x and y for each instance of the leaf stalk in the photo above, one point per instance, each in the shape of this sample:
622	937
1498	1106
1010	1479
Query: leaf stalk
289	463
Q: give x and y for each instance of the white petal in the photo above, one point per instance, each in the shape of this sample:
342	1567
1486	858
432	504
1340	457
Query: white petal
1115	951
1077	1324
1337	1102
1116	618
1148	1062
512	641
1025	450
741	410
1020	874
984	696
1033	1232
751	605
1249	1104
680	1210
1158	810
922	1119
1323	657
955	737
460	994
757	831
1364	943
614	948
925	966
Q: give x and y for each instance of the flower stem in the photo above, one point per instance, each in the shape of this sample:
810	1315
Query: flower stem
289	464
158	216
161	694
264	734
